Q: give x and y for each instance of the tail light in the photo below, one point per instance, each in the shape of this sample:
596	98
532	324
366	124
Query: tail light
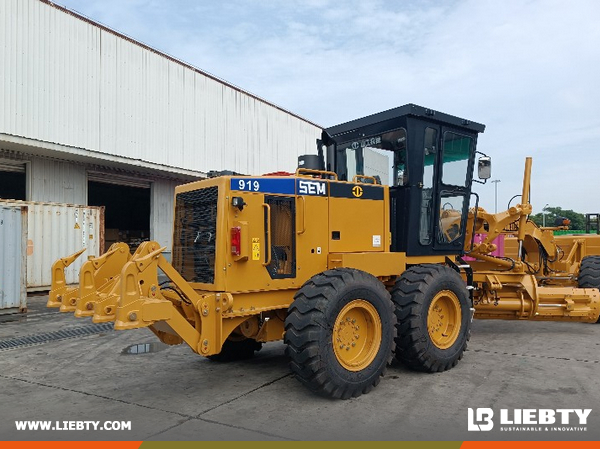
236	240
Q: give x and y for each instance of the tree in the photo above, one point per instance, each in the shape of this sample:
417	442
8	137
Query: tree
577	219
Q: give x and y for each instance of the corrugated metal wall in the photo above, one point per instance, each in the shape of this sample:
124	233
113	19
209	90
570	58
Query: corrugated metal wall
13	271
65	182
67	81
161	212
57	181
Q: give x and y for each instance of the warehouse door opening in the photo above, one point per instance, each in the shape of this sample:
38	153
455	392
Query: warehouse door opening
127	213
13	181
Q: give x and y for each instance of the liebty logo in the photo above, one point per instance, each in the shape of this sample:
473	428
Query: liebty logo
530	419
481	420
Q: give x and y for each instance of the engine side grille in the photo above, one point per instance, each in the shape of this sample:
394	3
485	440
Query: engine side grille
195	234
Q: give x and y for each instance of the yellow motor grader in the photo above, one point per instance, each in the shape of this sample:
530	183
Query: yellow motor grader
355	258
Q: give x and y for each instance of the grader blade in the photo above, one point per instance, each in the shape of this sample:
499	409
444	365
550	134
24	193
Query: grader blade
98	275
62	295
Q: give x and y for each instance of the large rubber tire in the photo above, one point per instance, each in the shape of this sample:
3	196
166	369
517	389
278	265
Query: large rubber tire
233	350
589	274
431	302
327	310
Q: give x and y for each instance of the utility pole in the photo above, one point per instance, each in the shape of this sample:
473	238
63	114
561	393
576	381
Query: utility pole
544	215
496	181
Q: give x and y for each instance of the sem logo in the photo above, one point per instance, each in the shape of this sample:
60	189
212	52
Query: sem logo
483	420
371	142
311	188
357	191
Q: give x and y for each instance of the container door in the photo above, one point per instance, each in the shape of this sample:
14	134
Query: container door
13	241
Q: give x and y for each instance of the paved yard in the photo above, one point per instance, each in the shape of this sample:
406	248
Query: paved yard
170	393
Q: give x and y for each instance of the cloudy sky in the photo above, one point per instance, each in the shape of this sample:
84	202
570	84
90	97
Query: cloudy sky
528	70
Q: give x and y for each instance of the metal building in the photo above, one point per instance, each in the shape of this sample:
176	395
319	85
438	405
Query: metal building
89	116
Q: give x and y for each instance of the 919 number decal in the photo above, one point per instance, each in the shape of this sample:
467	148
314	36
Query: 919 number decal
249	185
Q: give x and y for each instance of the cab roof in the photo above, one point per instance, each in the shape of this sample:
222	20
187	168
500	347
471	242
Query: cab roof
400	112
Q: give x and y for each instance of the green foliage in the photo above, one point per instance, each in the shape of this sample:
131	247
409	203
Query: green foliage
577	219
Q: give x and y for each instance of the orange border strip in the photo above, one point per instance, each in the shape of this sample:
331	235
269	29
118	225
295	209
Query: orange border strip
530	444
70	444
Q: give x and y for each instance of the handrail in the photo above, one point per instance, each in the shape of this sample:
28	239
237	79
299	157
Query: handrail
268	233
357	177
302	214
300	171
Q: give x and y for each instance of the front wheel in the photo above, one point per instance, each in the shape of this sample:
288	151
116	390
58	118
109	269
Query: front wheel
434	317
340	333
589	274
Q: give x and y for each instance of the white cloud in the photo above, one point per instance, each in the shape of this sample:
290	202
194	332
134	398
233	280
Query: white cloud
527	69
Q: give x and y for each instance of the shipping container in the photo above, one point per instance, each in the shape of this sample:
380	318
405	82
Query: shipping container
13	260
56	230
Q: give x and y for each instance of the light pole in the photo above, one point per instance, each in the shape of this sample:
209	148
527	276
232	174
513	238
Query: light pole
544	215
496	181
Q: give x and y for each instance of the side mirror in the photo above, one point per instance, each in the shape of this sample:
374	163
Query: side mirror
484	167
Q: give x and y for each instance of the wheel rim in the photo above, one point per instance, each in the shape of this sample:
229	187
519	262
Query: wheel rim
443	319
357	335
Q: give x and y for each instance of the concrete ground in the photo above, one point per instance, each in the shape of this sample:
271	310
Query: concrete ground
170	393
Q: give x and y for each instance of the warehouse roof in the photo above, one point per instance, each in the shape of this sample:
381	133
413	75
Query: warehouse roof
169	57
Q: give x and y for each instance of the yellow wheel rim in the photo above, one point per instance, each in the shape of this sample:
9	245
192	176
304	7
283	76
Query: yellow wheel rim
357	335
444	319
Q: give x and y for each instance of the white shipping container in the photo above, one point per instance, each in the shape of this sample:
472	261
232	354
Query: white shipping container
57	230
13	260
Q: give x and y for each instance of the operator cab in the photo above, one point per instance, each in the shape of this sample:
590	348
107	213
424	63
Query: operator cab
427	159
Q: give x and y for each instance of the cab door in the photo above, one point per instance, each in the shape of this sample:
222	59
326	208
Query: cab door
451	199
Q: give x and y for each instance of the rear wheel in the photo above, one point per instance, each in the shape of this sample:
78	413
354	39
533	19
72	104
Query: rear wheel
340	333
589	274
434	319
233	350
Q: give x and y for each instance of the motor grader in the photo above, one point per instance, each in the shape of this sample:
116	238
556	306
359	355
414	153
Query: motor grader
355	258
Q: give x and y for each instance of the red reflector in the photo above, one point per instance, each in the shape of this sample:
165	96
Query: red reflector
236	240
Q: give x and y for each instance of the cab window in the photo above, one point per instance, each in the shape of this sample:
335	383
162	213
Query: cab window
450	226
381	157
455	161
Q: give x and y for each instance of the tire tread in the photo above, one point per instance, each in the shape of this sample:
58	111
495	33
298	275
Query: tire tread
409	295
307	320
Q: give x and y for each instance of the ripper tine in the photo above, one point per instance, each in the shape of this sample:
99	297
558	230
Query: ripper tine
60	294
96	278
105	307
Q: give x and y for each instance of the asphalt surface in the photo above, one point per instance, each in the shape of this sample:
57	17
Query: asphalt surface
170	393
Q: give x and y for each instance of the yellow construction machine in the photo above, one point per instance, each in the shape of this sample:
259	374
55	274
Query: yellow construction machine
357	257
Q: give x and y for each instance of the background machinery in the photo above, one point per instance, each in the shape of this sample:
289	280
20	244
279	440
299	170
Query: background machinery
355	258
